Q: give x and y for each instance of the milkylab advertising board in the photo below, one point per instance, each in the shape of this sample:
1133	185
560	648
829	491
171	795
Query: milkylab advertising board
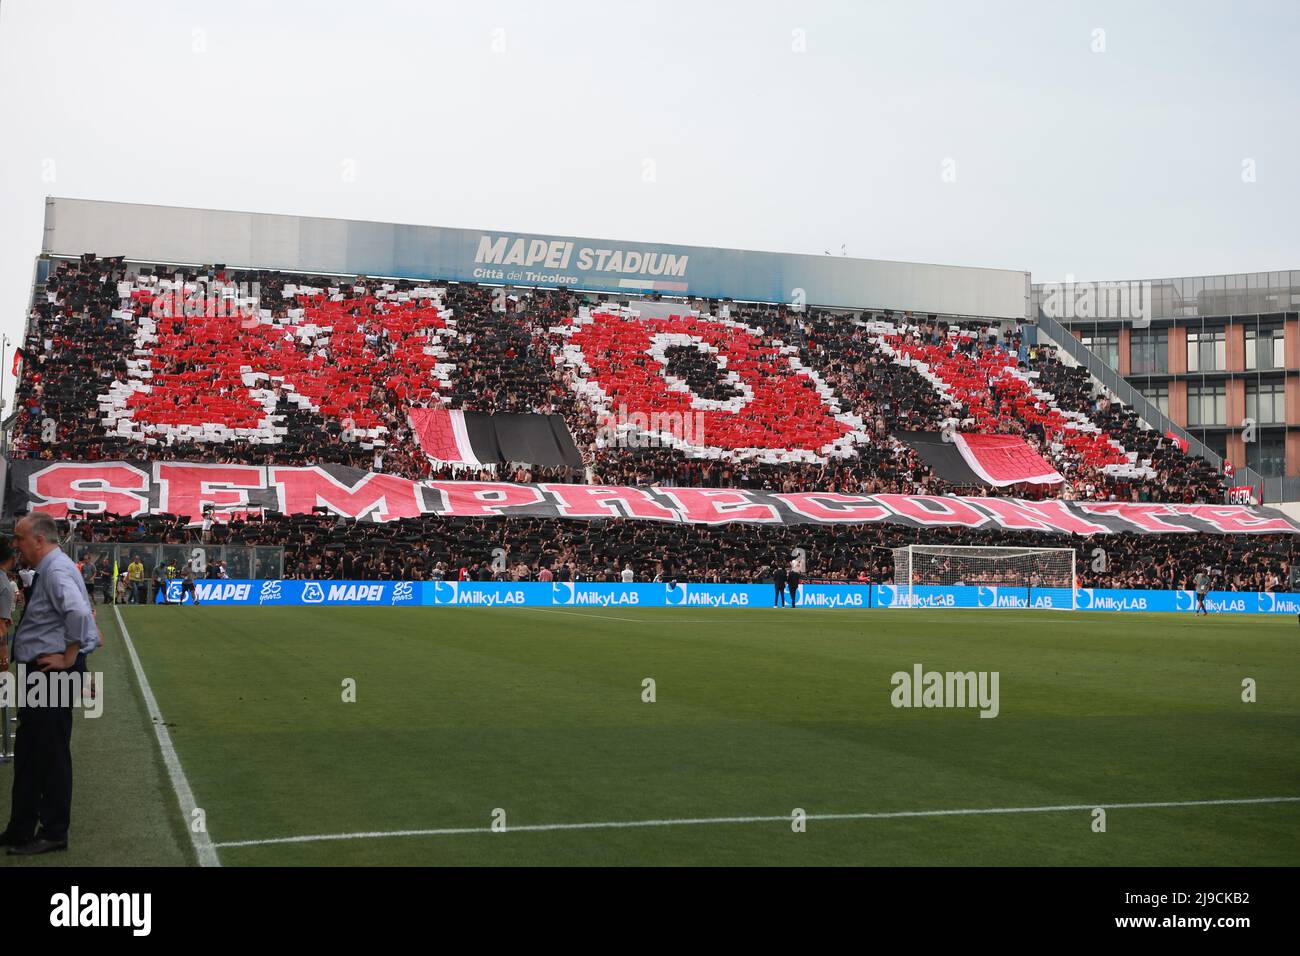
612	597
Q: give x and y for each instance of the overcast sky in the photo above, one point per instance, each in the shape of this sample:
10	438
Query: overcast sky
1101	140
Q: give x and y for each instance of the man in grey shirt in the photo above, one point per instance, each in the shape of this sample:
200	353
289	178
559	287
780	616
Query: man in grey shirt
57	623
1202	589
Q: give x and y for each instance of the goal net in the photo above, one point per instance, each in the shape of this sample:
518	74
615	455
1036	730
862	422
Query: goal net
1017	573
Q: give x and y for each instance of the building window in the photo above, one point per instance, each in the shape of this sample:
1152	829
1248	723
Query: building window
1207	404
1157	395
1206	351
1148	353
1266	402
1216	442
1267	453
1104	345
1265	349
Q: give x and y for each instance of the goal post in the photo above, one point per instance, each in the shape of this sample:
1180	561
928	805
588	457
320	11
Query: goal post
946	565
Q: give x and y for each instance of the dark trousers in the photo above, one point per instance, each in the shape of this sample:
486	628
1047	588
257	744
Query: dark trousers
779	601
794	590
42	767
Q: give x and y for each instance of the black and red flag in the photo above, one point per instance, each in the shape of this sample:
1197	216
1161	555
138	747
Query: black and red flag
450	436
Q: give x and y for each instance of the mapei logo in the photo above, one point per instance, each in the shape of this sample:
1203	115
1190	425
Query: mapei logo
230	591
403	591
173	592
270	592
366	593
313	593
562	592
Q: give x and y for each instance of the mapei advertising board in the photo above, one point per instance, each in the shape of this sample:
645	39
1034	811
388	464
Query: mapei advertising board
564	594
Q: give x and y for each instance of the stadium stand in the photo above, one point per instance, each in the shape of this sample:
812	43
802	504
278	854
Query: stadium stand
326	547
130	364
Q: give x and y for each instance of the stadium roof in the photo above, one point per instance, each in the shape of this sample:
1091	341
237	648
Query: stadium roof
170	234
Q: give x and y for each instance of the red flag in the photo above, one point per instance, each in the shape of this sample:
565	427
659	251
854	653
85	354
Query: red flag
1180	442
1002	460
19	355
1242	495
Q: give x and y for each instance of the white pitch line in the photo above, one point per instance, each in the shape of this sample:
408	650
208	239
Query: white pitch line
204	848
604	617
704	821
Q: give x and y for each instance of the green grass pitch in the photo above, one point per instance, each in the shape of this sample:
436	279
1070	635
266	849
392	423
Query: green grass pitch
540	713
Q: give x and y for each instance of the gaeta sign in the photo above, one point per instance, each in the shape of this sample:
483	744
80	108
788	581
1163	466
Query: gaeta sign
566	255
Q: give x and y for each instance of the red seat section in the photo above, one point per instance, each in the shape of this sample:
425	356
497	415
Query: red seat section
223	371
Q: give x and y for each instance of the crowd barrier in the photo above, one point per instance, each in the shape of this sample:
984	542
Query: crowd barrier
861	596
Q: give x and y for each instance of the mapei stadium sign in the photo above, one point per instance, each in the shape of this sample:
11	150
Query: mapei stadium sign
340	247
560	262
613	597
188	490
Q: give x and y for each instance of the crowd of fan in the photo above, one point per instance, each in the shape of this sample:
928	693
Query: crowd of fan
1179	477
504	347
502	351
76	348
324	547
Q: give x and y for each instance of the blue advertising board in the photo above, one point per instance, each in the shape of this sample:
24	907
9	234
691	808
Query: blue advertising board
301	593
592	595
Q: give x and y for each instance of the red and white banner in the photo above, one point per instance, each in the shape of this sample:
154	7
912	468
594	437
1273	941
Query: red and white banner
442	435
187	489
1242	495
1001	460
